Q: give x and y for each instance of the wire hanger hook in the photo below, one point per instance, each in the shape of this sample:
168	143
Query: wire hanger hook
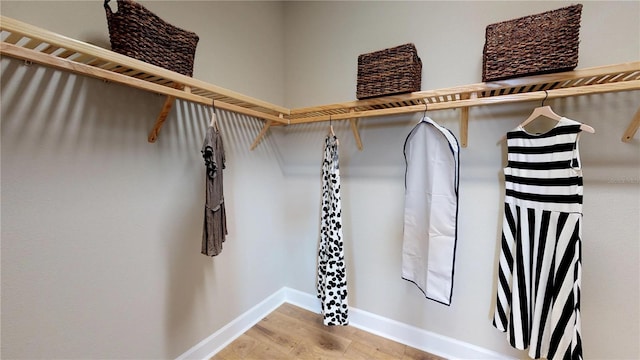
546	95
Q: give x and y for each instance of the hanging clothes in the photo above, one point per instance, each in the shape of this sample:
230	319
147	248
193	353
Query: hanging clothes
332	279
540	271
215	219
431	209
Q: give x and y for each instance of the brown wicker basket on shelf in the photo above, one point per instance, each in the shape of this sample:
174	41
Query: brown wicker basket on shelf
531	45
390	71
138	33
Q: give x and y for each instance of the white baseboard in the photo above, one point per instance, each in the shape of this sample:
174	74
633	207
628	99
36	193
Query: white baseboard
421	339
302	300
405	334
210	346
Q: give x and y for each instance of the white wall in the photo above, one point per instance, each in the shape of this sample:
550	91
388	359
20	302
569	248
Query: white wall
323	42
101	230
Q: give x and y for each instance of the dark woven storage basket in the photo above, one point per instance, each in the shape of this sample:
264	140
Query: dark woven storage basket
531	45
138	33
390	71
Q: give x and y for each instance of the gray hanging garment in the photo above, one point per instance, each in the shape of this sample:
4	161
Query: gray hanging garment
215	219
431	209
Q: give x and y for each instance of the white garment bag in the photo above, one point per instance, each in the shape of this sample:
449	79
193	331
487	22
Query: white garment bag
431	209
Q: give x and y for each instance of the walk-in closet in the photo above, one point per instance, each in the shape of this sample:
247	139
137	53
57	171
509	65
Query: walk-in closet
456	218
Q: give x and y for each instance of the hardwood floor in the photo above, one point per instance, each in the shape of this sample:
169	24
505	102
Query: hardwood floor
290	332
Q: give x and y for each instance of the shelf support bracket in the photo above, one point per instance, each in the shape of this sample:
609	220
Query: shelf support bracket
263	132
633	127
354	128
168	103
464	122
164	112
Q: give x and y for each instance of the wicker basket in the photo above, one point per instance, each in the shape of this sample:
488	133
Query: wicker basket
390	71
531	45
138	33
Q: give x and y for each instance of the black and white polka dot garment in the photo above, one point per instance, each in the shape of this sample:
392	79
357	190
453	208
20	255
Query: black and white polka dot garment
332	278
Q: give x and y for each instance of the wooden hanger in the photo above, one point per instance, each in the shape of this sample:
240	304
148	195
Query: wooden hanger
547	112
331	127
214	121
331	132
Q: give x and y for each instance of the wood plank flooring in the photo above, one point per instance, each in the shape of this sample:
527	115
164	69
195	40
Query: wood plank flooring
290	332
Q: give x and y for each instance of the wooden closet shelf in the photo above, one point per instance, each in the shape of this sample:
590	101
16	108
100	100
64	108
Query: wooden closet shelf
30	43
609	78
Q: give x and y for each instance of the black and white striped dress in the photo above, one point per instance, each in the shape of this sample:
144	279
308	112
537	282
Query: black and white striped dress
538	300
